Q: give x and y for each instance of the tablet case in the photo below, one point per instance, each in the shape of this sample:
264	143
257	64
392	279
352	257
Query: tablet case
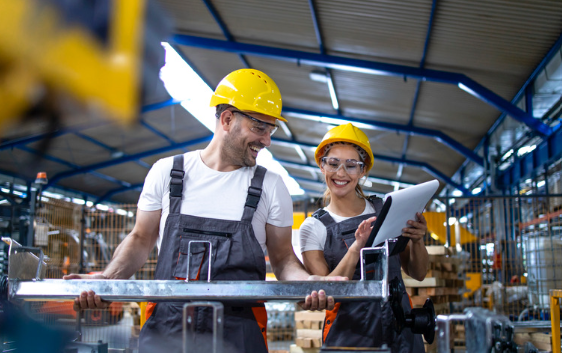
401	242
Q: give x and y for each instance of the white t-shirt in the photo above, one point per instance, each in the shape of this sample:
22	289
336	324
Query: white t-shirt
313	233
220	195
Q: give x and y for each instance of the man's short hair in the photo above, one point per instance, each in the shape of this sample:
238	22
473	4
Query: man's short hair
221	108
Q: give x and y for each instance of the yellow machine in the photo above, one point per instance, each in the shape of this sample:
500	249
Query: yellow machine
92	55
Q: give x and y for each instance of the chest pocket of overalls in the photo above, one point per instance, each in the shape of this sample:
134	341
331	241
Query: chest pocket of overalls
199	259
348	237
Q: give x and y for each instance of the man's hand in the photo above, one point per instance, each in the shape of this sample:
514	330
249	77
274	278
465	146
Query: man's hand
317	300
88	299
362	234
416	230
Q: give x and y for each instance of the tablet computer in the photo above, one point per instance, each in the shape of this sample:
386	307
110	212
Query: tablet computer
399	207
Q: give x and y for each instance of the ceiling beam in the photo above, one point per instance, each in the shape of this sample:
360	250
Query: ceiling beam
418	86
369	67
223	28
407	129
113	192
125	159
422	165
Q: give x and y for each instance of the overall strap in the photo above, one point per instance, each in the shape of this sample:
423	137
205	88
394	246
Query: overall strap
377	203
176	184
254	194
323	216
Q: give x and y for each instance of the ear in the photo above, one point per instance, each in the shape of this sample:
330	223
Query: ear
226	120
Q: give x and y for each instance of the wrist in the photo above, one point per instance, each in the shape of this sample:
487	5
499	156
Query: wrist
355	249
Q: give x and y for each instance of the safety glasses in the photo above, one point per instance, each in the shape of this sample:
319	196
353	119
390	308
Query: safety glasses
351	166
259	127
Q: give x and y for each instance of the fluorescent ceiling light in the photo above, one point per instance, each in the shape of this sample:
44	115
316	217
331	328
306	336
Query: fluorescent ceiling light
457	193
525	149
185	85
332	121
333	96
476	191
318	76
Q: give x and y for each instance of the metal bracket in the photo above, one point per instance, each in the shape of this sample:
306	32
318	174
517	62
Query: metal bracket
485	331
381	265
23	264
189	335
189	258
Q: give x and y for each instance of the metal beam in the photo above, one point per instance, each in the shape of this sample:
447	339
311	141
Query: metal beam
546	153
113	150
522	91
322	48
156	131
369	67
223	28
408	129
174	290
74	129
426	167
418	86
113	192
126	159
422	165
72	165
13	143
155	106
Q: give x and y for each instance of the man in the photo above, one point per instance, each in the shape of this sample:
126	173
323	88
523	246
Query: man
219	198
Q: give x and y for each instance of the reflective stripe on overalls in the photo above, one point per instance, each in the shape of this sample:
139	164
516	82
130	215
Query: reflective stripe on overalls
236	255
362	324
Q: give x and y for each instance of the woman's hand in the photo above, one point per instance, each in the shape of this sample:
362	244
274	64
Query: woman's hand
362	234
416	230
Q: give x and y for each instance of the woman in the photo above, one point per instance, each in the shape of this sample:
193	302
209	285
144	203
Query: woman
332	238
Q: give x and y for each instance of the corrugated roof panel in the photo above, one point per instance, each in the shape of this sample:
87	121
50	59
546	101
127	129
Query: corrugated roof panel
494	36
382	98
176	123
76	150
450	109
191	16
388	30
286	22
130	172
89	183
27	165
434	153
130	141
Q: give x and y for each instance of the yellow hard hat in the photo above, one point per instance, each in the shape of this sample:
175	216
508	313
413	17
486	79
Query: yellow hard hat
249	90
346	133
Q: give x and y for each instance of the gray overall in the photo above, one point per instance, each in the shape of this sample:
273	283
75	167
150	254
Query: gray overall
362	324
236	255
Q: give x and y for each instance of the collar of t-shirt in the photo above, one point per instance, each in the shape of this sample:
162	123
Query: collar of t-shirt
368	209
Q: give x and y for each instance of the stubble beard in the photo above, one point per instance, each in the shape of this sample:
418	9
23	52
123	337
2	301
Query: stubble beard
235	150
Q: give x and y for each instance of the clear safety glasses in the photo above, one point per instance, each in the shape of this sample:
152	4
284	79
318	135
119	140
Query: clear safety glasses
351	166
259	127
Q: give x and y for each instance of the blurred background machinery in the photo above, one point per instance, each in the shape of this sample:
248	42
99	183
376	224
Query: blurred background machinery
63	59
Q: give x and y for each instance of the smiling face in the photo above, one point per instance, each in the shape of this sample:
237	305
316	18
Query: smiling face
241	144
340	182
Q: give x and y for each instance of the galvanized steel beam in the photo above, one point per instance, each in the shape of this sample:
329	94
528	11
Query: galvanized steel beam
174	290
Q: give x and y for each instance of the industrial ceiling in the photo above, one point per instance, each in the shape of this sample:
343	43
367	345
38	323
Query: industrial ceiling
427	80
